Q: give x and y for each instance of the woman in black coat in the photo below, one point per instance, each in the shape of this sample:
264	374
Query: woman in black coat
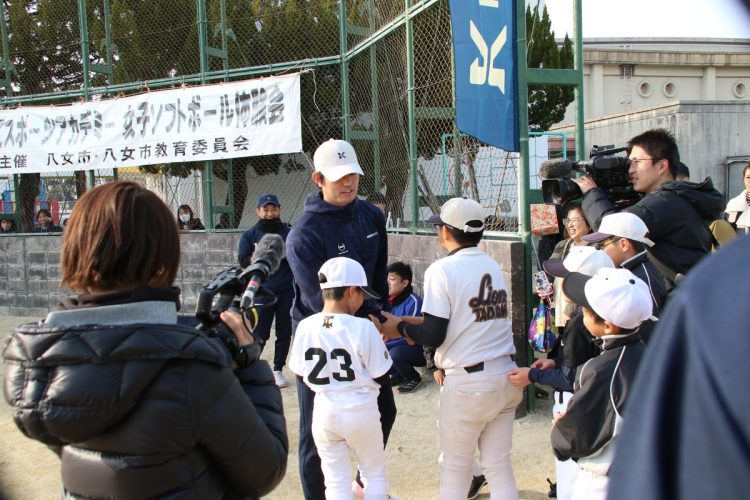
136	405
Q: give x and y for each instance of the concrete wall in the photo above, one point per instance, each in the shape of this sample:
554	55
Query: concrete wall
30	270
662	71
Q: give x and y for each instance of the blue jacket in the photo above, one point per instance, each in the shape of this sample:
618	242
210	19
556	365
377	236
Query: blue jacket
325	231
406	304
282	279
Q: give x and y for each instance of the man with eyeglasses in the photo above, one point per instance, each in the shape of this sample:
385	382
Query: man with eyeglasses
624	238
677	213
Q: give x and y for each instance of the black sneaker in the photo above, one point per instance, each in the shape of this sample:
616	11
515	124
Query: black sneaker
552	493
410	386
397	380
477	484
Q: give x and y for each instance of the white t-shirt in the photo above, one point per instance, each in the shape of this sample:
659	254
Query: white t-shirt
339	356
468	289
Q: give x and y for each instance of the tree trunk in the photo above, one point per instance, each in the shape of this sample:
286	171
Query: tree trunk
239	169
28	188
81	187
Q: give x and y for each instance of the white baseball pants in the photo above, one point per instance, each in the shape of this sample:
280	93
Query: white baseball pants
566	471
477	409
590	486
335	431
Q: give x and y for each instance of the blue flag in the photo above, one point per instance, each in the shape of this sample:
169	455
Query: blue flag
484	46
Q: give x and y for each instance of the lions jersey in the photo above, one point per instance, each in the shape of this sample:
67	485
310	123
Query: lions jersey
339	356
468	289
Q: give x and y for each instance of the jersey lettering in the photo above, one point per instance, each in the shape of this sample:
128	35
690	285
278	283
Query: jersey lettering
345	373
489	303
346	365
322	359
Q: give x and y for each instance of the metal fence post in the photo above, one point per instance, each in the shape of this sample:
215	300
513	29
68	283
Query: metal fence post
411	105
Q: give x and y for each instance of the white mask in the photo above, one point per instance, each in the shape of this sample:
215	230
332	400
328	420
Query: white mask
185	218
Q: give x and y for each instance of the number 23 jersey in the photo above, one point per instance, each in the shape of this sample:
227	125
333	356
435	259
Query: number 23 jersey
339	356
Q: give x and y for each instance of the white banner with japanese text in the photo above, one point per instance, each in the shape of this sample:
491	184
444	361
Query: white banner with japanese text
211	122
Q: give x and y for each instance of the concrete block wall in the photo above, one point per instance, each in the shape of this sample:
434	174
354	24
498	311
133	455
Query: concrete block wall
30	270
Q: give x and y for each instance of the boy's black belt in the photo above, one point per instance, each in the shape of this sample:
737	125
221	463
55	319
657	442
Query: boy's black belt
474	368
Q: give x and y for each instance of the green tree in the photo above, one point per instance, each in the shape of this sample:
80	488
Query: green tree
547	103
44	49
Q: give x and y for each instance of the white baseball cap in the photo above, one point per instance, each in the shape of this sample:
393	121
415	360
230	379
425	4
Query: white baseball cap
460	213
616	295
580	259
622	224
342	272
335	159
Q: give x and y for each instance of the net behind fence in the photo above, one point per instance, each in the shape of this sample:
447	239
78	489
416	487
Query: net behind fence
135	47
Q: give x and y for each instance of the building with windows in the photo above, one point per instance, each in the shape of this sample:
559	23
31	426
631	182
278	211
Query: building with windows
697	88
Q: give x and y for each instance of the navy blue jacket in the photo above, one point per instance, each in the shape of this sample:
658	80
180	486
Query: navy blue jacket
325	231
282	279
685	434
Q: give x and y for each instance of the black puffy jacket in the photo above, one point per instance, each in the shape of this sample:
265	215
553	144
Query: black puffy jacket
677	215
146	411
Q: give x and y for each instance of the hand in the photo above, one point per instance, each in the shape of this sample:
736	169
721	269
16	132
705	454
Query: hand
557	418
586	183
234	322
519	377
544	364
439	377
389	329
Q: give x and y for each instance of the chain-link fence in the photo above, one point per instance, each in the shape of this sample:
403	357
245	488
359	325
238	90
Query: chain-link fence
132	47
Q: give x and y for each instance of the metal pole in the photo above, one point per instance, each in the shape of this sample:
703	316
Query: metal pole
578	89
343	44
524	195
84	28
6	49
411	105
208	169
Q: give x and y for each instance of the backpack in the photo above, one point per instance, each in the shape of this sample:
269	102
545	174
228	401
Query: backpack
722	232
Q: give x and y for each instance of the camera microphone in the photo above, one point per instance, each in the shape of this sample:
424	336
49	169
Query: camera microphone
555	169
264	262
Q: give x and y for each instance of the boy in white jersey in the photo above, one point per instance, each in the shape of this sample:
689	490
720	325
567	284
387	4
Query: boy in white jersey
465	313
342	358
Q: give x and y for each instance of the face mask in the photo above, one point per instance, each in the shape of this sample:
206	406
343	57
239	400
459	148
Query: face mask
269	224
185	217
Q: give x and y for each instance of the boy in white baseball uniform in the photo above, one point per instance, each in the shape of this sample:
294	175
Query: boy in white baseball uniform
465	316
342	359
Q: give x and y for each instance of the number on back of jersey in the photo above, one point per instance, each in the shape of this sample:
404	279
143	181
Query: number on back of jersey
342	373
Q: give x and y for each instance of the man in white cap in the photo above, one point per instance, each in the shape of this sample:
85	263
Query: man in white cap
465	317
623	237
615	302
335	223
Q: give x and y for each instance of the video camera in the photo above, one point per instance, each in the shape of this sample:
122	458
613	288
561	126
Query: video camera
237	289
608	171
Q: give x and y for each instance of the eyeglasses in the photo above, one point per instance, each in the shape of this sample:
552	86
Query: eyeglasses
602	244
637	161
568	221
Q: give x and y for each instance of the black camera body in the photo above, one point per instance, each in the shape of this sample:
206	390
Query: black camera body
224	293
610	173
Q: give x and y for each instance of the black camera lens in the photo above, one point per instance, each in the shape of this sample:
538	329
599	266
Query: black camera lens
560	191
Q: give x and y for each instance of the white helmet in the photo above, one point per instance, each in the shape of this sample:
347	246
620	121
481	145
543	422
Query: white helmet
335	159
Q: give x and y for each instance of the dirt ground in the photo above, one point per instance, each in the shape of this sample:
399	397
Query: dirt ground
28	470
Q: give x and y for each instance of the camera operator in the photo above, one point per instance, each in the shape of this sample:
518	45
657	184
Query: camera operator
135	405
677	213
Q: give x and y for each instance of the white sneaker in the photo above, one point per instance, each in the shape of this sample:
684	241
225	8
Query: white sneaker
280	380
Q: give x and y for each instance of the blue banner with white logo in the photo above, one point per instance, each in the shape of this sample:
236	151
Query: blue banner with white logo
484	46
